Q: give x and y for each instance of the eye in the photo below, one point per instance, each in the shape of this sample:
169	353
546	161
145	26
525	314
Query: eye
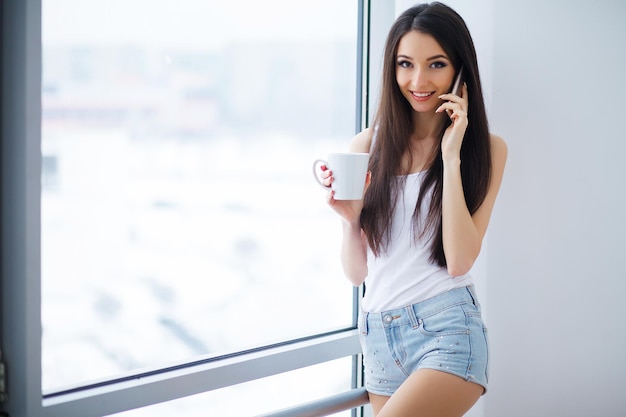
438	64
404	63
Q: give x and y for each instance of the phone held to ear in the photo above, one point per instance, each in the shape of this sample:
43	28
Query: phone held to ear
457	87
458	83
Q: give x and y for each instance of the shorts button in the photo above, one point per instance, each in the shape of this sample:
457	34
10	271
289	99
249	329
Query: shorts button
387	319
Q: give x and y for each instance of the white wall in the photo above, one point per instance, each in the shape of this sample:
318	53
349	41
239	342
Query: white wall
556	281
551	274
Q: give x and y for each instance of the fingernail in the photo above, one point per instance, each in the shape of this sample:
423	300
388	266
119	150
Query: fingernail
323	168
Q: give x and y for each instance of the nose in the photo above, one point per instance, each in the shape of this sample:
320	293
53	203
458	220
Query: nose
418	79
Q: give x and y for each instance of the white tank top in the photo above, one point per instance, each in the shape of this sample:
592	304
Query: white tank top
404	275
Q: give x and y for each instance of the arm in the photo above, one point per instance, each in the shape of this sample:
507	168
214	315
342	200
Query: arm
353	245
353	253
463	233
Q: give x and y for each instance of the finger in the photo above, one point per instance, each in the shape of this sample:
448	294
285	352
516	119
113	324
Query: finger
448	106
450	97
457	115
451	107
327	178
330	197
325	174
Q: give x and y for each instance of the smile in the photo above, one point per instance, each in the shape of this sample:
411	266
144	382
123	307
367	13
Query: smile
421	96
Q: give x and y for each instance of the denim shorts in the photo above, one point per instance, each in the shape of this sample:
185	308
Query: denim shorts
445	332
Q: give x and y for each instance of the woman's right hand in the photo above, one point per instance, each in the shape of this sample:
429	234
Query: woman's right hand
349	210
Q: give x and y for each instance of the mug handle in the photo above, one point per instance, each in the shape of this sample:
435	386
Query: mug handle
316	163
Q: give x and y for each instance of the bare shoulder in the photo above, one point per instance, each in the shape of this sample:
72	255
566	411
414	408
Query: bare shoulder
499	149
362	141
499	152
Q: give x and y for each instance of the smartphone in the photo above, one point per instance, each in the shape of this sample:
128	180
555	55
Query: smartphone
457	87
458	83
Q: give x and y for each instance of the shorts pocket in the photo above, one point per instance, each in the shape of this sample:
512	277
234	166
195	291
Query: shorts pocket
450	321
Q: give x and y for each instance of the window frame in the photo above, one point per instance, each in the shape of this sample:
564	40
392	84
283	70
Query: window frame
194	378
20	256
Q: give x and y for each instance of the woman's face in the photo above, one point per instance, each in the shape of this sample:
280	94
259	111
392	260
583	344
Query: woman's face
423	71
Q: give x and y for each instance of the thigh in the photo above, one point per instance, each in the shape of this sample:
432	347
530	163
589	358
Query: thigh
377	402
429	392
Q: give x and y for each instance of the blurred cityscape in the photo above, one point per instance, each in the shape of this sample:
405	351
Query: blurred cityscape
303	91
177	191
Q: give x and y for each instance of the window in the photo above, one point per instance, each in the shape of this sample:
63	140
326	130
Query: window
160	208
184	220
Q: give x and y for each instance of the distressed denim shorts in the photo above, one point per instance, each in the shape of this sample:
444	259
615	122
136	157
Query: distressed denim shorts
445	332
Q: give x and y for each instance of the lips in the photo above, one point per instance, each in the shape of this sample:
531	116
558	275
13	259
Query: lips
422	96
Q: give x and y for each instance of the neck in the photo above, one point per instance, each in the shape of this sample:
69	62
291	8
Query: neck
426	130
427	125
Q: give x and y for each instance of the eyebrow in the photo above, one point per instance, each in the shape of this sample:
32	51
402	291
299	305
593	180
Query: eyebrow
428	59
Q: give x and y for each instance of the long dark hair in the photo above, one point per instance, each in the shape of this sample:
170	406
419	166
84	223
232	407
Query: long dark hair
394	126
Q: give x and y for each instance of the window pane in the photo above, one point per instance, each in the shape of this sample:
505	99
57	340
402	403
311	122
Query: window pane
260	396
179	213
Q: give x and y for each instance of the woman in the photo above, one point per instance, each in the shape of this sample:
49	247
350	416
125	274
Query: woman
434	174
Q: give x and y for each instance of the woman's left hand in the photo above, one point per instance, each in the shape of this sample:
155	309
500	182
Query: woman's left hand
456	107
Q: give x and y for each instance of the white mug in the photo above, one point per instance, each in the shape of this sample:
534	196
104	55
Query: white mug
349	173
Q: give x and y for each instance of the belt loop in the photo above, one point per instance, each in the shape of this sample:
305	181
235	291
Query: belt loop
363	324
412	316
